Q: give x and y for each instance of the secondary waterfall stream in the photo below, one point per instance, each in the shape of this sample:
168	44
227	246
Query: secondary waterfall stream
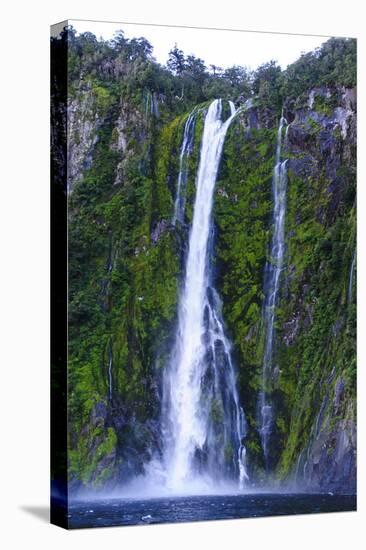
185	153
110	379
272	274
203	423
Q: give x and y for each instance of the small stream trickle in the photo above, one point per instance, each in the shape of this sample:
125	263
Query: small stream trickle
273	270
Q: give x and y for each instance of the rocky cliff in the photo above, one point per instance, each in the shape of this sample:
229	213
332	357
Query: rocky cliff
313	384
126	259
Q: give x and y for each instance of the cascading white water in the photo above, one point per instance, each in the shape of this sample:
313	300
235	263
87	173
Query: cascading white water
110	380
185	152
203	423
151	105
272	274
147	104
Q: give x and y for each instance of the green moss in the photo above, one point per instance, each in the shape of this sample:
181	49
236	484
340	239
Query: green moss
91	449
102	97
242	210
325	105
314	304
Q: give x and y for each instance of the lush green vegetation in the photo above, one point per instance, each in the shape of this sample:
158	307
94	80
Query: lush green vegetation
125	259
243	204
129	65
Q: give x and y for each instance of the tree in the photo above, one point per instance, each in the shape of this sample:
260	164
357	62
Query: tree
216	70
196	68
268	72
88	43
139	47
334	63
267	84
119	42
176	61
238	78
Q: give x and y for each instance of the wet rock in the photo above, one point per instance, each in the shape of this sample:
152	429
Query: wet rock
337	327
338	394
160	228
291	329
304	166
329	462
252	118
84	123
100	411
128	118
222	193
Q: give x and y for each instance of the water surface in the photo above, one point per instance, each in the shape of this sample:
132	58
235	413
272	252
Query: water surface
110	512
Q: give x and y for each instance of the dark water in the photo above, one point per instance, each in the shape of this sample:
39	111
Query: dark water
109	512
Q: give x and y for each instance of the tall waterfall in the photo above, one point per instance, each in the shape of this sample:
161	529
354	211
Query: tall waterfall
203	422
272	274
185	152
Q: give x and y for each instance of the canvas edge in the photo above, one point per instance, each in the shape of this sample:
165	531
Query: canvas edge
59	284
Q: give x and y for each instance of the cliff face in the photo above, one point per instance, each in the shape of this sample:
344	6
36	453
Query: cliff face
313	383
124	265
319	313
126	261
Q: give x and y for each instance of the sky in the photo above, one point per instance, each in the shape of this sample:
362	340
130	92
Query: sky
217	47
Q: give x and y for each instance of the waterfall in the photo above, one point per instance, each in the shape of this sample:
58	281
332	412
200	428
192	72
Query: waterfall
154	105
148	99
351	275
272	274
110	381
203	423
185	152
151	105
